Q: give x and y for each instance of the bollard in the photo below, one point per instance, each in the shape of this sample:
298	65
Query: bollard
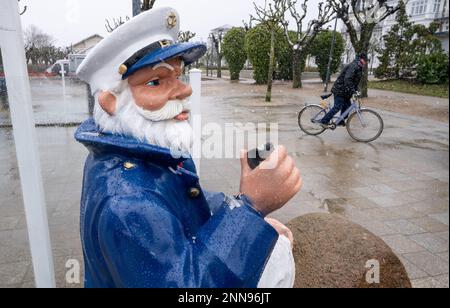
195	79
91	100
3	94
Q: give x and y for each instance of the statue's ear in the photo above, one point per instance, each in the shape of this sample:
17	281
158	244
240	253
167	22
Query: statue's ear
108	102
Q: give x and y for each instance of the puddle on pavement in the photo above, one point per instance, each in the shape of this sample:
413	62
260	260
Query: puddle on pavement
334	206
422	144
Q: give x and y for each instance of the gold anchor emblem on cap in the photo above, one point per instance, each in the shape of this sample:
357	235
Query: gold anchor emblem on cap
172	20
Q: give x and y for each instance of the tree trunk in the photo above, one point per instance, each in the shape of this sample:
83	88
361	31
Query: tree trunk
364	86
297	69
366	36
271	66
219	66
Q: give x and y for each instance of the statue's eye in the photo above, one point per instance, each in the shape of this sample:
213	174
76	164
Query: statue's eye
153	83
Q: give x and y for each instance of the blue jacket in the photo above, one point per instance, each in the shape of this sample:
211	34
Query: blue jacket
146	222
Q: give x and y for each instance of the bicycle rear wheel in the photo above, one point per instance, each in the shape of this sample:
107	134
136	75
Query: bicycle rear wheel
308	118
365	126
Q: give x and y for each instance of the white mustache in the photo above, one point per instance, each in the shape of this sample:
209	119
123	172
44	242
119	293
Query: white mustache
168	112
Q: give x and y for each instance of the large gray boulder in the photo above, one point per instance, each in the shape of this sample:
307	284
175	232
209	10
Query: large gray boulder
332	252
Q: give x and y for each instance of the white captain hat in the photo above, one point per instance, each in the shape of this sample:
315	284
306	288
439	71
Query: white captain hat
143	41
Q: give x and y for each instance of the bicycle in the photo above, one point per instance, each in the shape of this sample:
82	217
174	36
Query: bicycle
363	125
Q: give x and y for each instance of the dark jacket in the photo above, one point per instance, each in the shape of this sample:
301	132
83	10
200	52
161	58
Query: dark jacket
347	83
141	225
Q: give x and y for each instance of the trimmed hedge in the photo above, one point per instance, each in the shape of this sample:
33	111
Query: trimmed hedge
234	51
320	49
257	42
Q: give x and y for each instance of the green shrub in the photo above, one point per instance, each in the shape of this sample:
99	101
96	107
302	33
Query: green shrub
284	69
433	68
234	51
257	42
320	49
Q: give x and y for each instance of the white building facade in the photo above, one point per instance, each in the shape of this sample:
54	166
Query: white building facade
420	12
80	50
219	33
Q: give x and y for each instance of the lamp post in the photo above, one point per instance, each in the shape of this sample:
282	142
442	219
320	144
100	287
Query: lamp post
330	60
136	7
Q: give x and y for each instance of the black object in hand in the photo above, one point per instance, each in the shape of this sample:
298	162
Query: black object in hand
257	156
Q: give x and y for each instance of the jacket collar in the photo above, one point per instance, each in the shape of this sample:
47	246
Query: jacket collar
100	143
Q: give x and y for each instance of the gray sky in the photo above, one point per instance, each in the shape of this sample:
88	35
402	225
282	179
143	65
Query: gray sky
70	21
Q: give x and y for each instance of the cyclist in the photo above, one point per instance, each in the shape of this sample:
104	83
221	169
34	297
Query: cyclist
345	86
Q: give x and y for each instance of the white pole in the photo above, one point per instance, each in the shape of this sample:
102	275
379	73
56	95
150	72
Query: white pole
195	80
63	75
18	85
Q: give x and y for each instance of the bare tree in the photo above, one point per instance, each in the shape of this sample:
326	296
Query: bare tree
209	59
40	48
23	10
115	23
361	17
186	36
304	36
36	37
271	15
145	5
216	40
36	42
247	24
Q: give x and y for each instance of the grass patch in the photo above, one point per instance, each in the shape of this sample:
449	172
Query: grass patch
411	87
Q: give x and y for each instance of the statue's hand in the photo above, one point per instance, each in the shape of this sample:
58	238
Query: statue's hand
271	185
281	229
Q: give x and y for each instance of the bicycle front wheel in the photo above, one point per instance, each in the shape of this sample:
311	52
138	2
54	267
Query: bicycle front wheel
309	120
365	125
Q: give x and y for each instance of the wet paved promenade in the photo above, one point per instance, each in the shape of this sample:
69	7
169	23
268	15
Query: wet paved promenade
397	187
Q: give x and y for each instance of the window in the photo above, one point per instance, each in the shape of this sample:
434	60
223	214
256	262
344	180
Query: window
437	6
445	26
418	7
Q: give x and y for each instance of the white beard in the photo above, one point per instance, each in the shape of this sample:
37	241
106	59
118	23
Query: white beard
132	121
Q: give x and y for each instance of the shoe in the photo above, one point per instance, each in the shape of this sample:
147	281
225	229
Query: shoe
326	126
342	124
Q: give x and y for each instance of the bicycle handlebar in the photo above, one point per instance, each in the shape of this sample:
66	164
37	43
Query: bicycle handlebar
357	95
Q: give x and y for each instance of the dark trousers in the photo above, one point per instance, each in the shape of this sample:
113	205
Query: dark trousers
340	104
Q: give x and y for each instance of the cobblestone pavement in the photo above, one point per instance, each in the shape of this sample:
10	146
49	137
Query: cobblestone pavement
397	187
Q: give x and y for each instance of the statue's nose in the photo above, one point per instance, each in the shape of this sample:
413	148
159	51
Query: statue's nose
180	91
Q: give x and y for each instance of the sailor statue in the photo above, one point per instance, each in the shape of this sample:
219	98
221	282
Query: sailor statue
145	220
